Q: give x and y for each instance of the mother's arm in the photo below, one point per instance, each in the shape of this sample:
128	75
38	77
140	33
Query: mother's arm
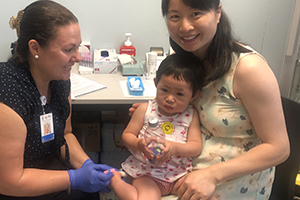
15	180
256	86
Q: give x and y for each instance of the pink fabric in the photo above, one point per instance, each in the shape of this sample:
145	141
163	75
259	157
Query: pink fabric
165	187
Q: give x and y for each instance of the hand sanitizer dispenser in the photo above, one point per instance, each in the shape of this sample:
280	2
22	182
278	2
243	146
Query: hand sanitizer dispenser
127	48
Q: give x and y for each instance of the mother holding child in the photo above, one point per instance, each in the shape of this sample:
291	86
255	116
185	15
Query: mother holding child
242	123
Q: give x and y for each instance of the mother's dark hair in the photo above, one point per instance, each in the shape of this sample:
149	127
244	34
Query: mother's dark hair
40	22
219	53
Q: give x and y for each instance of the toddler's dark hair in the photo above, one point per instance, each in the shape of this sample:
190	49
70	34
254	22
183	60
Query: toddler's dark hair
182	67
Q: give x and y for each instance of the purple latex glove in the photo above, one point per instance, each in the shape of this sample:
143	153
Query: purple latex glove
90	177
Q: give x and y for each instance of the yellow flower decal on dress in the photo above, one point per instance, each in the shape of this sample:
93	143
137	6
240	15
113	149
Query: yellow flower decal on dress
168	128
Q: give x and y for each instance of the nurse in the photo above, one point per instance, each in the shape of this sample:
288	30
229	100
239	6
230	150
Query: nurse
35	94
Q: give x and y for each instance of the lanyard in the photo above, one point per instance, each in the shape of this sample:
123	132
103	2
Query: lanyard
44	101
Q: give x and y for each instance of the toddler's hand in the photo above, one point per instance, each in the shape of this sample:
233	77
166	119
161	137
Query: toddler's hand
166	153
144	149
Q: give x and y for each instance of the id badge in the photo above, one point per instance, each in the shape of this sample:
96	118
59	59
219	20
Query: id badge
47	131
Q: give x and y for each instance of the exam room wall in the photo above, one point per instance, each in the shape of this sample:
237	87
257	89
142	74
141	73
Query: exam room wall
263	24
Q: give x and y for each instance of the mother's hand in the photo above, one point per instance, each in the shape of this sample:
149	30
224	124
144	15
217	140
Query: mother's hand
198	184
133	108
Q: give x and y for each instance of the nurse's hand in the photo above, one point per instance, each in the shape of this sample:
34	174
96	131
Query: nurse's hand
90	177
199	184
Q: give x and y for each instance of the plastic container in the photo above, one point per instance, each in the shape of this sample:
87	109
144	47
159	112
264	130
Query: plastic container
127	48
152	63
135	85
155	138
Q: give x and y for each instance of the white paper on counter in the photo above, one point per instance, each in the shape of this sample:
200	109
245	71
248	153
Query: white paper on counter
81	86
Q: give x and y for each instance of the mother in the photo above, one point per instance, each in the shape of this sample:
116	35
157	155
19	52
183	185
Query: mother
240	109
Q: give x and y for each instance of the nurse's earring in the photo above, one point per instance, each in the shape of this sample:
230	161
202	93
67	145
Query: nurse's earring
36	56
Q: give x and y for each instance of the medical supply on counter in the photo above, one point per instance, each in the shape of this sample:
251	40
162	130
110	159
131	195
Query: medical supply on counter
134	68
130	65
151	58
152	62
105	61
86	63
128	48
158	50
135	85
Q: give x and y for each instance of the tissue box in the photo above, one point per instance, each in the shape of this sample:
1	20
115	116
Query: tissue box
105	61
134	68
135	85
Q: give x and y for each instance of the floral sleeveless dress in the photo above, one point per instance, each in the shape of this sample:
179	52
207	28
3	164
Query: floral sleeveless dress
137	165
227	132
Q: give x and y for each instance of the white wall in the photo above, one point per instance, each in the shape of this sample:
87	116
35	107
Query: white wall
103	23
264	24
